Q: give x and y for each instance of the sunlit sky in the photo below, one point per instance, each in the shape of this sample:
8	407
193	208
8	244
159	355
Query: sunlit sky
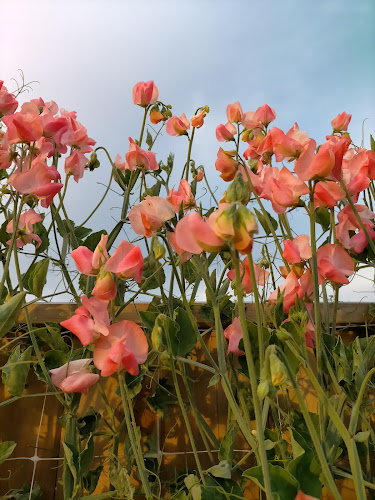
307	60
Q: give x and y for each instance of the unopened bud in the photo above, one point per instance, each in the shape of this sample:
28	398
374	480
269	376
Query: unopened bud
278	371
237	191
156	337
263	389
283	334
157	248
93	162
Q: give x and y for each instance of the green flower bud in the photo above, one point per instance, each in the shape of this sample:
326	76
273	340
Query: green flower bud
263	389
278	371
238	191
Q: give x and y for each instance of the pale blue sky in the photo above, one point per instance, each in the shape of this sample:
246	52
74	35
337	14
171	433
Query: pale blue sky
308	60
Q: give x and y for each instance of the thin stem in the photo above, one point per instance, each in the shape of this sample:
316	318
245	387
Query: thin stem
189	154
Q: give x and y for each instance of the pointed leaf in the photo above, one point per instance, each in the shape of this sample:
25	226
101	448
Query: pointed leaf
9	312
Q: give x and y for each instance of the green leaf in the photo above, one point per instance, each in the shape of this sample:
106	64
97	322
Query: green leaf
187	336
360	437
263	221
24	493
9	312
51	335
279	308
149	139
223	470
37	277
227	443
92	241
323	217
358	367
163	398
215	379
52	359
372	143
41	231
86	456
154	190
88	423
283	485
148	318
169	329
72	459
192	484
15	372
343	364
90	481
6	449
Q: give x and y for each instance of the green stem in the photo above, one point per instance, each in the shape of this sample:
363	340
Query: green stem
69	438
254	286
189	154
357	406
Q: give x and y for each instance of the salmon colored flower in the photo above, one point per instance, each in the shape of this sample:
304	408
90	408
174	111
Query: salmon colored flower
311	164
119	164
156	116
292	290
302	496
149	215
348	224
198	119
5	151
287	146
105	287
8	103
24	126
234	112
139	158
125	347
194	235
334	264
74	134
265	115
183	195
234	334
226	164
180	251
297	250
126	262
261	275
25	229
88	262
357	170
75	164
177	126
74	376
225	132
327	194
200	174
145	93
89	321
340	122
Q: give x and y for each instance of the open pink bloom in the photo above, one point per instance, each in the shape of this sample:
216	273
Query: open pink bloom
180	251
89	321
261	275
126	262
311	165
250	121
265	115
291	288
145	93
5	151
124	348
139	158
234	334
198	119
297	250
225	132
226	164
177	126
357	170
24	126
339	146
8	103
334	264
105	287
255	143
73	133
340	122
348	223
75	164
302	496
183	195
74	376
289	145
194	235
120	165
327	194
149	215
234	112
88	262
25	229
36	180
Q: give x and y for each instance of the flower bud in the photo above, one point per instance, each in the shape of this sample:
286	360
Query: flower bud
155	115
237	191
157	248
200	174
263	389
283	334
93	162
157	337
278	371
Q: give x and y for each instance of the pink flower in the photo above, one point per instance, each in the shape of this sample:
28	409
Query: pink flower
89	321
297	250
291	288
156	116
261	275
177	126
8	103
234	112
74	376
105	287
183	195
334	264
226	164
88	262
357	169
327	194
311	165
138	158
287	146
194	235
340	122
180	251
5	151
200	174
75	164
198	119
126	262
149	215
265	115
24	126
124	348
234	334
225	132
348	224
120	165
302	496
25	228
73	133
145	93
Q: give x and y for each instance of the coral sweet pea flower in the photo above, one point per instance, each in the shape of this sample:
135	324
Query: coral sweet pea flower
24	126
302	496
334	264
73	133
124	348
348	223
180	251
8	103
194	235
198	119
74	376
149	215
177	126
126	262
265	115
291	288
139	158
225	132
297	250
261	275
234	334
311	164
89	321
75	164
226	164
327	194
145	93
88	262
183	195
340	122
25	229
234	112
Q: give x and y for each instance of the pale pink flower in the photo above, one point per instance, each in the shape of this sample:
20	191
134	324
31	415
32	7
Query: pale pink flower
25	229
8	103
225	132
145	93
334	264
183	195
340	122
75	164
234	334
139	158
74	376
177	126
149	215
234	112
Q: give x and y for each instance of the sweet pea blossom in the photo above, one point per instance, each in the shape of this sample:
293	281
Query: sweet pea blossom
8	103
88	262
183	195
139	158
75	164
303	496
156	116
200	174
297	250
265	115
291	288
194	235
327	194
226	164
177	126
225	132
145	93
180	251
25	229
334	264
348	223
24	126
234	334
261	275
340	122
149	215
126	262
234	112
125	347
198	119
74	376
